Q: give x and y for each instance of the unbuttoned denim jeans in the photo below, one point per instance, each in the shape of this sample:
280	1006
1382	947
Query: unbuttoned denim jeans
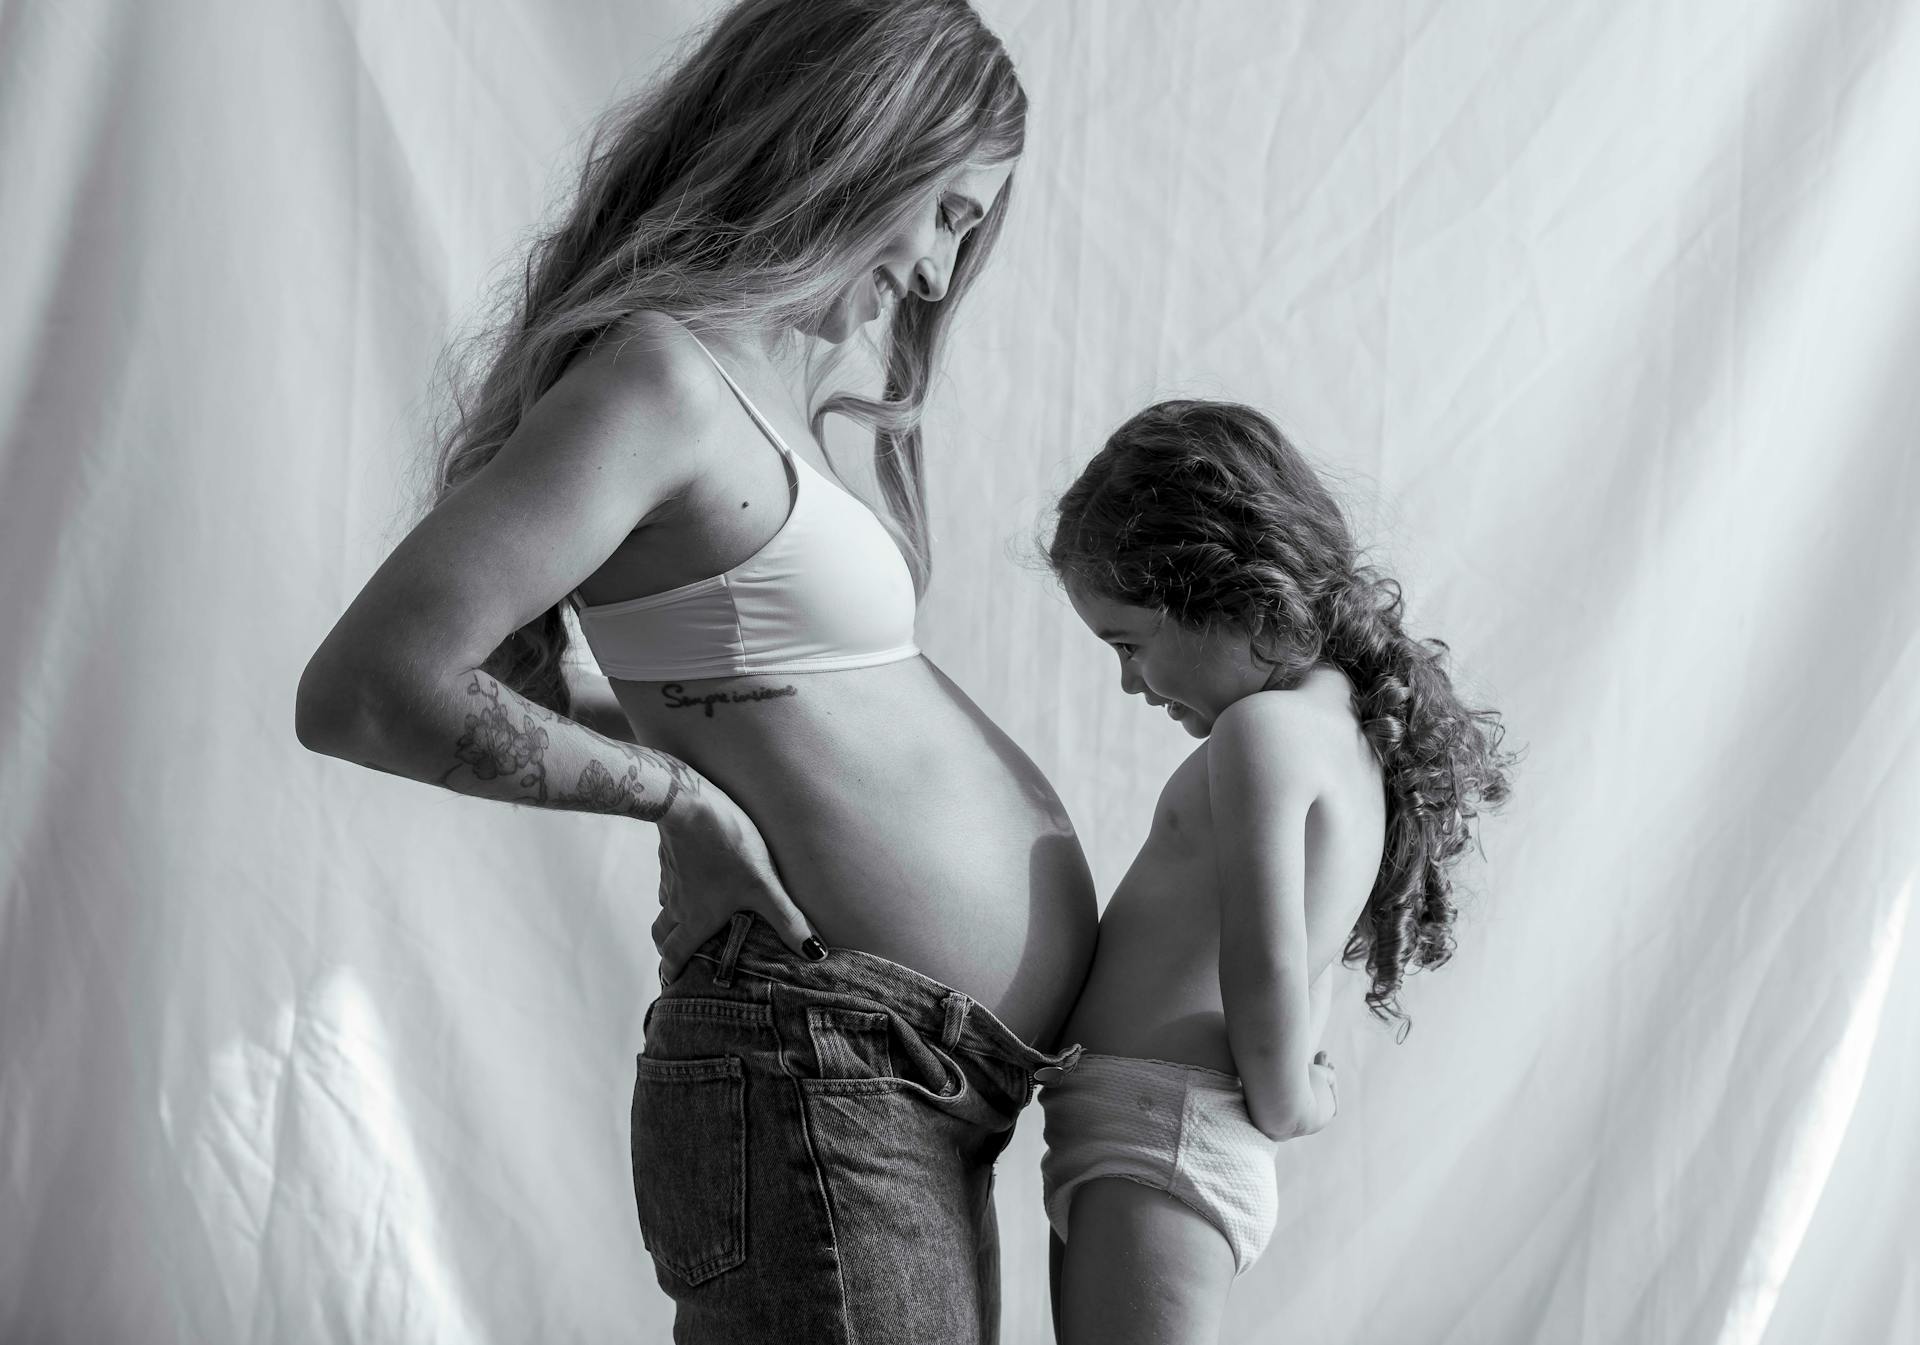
813	1147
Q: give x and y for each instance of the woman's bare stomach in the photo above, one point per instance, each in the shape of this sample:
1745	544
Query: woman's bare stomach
904	824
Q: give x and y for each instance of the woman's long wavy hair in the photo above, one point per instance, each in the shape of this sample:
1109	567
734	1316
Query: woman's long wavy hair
1204	511
745	191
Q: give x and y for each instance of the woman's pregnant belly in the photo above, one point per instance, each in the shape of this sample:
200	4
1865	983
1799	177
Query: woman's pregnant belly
903	822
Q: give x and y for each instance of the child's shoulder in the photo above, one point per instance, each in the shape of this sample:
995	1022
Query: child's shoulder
1268	736
1287	730
1267	712
1313	707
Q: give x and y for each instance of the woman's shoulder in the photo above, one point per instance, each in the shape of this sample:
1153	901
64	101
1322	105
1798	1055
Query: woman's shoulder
649	367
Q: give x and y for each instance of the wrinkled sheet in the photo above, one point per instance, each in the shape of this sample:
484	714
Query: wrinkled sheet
1607	318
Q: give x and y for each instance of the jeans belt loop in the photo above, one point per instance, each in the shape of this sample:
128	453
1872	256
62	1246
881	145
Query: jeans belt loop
736	936
957	1006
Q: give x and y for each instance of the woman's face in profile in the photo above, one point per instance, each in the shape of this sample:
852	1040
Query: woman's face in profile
918	257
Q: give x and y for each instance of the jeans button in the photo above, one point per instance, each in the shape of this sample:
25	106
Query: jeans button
1049	1074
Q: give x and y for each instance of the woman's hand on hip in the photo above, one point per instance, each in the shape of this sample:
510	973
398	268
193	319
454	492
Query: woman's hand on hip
713	862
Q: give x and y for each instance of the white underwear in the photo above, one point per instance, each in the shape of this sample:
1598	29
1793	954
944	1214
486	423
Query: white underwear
1182	1129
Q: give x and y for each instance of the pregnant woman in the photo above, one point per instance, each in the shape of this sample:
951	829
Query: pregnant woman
822	1095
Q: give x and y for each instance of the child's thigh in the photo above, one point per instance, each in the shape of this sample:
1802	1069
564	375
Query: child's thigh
1141	1266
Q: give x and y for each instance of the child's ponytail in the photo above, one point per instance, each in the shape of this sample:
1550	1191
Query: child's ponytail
1440	762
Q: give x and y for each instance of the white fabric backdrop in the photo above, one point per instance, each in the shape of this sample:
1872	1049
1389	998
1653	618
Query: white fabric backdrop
1608	313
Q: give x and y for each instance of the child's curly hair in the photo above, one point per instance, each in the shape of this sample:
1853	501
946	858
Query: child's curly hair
1204	511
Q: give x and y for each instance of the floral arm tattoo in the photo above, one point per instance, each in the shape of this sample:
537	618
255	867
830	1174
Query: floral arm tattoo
494	748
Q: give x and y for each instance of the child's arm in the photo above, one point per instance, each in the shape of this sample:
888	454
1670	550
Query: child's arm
1261	791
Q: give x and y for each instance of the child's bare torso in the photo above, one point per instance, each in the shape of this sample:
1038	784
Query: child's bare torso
1154	989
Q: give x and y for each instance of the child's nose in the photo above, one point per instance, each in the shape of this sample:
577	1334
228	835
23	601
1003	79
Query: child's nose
1130	681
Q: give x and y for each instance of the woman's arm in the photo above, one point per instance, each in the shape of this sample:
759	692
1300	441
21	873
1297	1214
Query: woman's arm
1260	798
397	686
511	749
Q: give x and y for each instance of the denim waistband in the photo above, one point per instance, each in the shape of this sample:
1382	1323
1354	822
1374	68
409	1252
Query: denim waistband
749	946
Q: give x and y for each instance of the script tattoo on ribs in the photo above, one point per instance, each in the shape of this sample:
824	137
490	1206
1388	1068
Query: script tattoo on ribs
677	698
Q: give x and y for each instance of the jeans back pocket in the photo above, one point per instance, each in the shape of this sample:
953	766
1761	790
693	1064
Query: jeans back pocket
690	1164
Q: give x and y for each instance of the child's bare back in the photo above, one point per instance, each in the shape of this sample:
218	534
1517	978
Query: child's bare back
1154	989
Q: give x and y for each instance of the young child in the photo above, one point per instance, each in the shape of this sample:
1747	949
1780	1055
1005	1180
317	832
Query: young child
1317	821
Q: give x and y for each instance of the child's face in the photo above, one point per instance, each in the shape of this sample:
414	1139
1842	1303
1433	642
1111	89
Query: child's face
1195	674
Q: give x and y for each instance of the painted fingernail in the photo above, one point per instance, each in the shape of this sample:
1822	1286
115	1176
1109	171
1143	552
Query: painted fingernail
815	950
